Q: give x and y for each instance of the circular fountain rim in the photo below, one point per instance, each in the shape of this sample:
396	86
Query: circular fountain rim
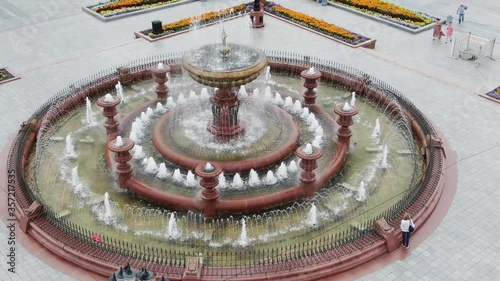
183	160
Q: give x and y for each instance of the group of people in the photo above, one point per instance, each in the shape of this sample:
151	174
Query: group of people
438	33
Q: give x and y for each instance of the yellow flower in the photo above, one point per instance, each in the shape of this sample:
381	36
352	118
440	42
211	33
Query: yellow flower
124	4
314	23
384	8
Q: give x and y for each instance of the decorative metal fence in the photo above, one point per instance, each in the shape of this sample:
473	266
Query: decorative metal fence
242	261
471	47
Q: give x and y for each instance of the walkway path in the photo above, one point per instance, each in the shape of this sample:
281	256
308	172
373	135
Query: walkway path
53	43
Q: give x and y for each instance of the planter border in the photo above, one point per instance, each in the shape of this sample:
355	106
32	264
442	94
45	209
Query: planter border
489	98
9	79
133	13
382	20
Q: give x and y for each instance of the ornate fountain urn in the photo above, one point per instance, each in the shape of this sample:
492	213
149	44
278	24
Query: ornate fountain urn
225	66
345	112
109	111
121	148
308	155
159	74
209	180
311	77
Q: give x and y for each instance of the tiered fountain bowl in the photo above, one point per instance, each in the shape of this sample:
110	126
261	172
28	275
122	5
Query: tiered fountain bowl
242	65
238	65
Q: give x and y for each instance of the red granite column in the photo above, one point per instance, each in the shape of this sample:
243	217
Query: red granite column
308	156
257	14
209	180
345	113
122	156
225	106
160	76
108	104
311	77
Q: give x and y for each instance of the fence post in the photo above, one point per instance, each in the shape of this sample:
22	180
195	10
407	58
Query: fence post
468	40
492	47
453	48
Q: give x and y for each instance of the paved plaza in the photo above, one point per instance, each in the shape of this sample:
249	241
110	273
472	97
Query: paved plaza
52	43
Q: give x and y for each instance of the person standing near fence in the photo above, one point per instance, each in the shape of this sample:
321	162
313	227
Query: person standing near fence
405	229
449	32
461	13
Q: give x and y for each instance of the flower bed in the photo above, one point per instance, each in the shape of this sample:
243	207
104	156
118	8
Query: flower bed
316	24
6	76
201	20
126	6
389	11
494	94
272	8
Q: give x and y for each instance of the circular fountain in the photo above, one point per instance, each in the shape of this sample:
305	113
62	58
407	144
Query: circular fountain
193	191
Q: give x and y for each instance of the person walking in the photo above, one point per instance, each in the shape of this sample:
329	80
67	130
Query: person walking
449	32
405	228
437	30
461	13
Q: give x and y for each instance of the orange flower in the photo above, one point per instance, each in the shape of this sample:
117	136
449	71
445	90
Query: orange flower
384	8
120	4
314	23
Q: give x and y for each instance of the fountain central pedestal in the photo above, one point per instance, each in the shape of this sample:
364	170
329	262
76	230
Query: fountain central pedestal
225	106
225	66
